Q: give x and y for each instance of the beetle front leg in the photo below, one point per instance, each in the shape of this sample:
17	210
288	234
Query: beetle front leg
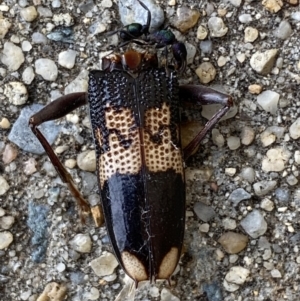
200	95
57	109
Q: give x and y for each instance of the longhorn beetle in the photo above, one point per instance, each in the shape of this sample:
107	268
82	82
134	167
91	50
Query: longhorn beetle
134	111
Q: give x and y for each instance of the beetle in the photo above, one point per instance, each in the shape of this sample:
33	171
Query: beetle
134	106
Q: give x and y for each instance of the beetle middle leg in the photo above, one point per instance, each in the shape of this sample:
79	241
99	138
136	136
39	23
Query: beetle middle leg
200	95
57	109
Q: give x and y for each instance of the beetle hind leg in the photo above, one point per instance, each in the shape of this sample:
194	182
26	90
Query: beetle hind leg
200	95
56	109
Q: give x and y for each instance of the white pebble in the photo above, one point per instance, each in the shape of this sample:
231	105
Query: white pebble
275	159
267	204
263	62
245	18
16	93
268	100
217	138
12	56
87	160
29	13
295	129
275	273
237	275
6	222
60	267
4	27
233	142
217	27
166	295
26	46
67	58
251	34
104	265
81	243
264	187
248	174
6	239
46	68
28	75
254	224
284	30
247	135
4	123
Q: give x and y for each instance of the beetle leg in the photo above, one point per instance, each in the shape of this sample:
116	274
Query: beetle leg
57	109
201	95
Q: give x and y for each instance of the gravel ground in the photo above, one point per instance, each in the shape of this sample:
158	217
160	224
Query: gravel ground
242	228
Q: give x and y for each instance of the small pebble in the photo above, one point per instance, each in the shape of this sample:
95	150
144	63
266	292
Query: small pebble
204	228
29	13
263	62
30	166
38	38
53	291
12	56
267	204
245	18
276	274
255	89
217	28
294	129
70	163
217	138
229	224
202	32
275	159
241	57
206	47
63	20
239	195
247	135
237	275
16	93
297	157
104	265
87	160
254	224
264	187
232	242
6	222
9	154
26	46
204	212
81	243
268	100
272	5
248	174
60	267
3	186
67	58
284	30
230	171
46	68
206	72
251	34
28	75
2	212
4	123
233	142
185	18
4	27
6	239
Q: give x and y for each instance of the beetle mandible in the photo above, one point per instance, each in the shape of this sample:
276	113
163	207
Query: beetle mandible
134	111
